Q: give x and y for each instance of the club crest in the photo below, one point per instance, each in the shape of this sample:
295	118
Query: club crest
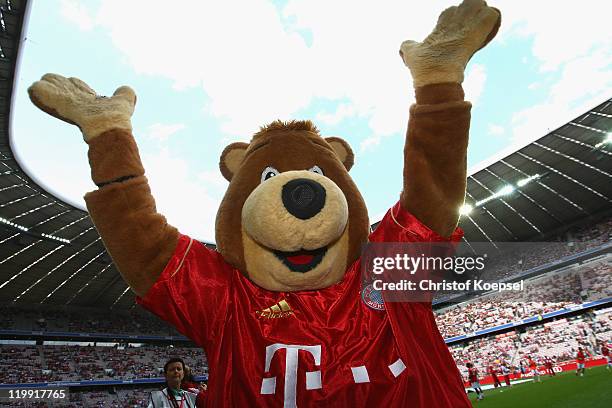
372	298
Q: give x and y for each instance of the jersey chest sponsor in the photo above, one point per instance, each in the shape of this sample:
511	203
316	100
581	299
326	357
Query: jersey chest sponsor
360	374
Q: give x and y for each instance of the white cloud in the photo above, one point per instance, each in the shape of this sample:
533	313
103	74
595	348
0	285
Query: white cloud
77	13
186	202
572	47
342	112
393	119
161	132
256	68
474	82
369	143
253	71
584	82
561	31
496	130
534	85
214	179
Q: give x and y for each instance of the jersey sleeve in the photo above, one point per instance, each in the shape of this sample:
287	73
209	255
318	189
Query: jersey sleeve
192	293
399	225
413	322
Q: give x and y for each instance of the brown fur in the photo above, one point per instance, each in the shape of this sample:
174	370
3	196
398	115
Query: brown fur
435	156
292	146
292	125
113	156
231	159
141	242
343	150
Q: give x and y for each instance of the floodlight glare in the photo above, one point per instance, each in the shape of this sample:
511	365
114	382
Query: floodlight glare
527	180
465	209
607	140
505	191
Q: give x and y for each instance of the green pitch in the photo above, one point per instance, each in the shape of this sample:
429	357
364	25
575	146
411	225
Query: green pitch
565	390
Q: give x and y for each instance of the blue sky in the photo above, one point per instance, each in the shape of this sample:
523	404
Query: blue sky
208	73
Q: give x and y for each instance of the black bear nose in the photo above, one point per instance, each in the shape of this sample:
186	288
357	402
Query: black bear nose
303	198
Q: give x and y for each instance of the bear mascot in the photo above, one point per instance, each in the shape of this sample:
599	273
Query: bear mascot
278	306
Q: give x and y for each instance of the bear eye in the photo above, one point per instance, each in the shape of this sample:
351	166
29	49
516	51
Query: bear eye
268	173
316	169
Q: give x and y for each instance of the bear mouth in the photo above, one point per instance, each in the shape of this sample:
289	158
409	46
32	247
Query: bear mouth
303	260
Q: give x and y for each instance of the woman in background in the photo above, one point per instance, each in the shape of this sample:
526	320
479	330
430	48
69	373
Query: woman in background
172	396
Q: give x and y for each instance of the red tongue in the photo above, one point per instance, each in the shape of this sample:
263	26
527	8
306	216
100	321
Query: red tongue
300	259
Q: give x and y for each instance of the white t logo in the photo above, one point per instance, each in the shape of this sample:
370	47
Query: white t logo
313	378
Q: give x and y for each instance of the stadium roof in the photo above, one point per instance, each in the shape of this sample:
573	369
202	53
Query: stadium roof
550	183
50	252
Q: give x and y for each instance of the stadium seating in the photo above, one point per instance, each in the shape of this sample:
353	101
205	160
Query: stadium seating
553	292
558	340
21	364
549	292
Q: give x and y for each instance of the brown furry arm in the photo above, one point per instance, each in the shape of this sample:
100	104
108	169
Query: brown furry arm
139	240
435	156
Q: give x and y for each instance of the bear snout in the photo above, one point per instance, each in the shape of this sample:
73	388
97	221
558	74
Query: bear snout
303	198
295	210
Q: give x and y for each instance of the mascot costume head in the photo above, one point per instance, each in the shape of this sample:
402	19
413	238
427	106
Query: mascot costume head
279	307
292	218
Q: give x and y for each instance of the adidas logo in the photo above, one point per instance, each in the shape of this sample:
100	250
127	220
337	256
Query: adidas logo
281	309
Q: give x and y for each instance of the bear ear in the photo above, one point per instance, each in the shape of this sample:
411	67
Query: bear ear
231	159
343	151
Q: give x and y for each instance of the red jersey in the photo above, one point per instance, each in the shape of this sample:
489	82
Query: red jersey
310	348
532	364
605	350
580	357
201	399
473	374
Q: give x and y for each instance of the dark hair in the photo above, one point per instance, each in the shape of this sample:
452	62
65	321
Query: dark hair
188	374
174	360
469	365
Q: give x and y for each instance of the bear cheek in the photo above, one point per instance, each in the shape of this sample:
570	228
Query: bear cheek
333	219
265	220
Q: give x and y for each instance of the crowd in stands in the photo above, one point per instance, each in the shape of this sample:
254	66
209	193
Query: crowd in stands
482	352
28	362
106	398
569	242
70	319
519	258
543	294
21	364
133	398
596	279
550	292
588	282
558	340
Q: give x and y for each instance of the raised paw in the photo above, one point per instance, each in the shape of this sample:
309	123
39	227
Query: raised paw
73	101
460	32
